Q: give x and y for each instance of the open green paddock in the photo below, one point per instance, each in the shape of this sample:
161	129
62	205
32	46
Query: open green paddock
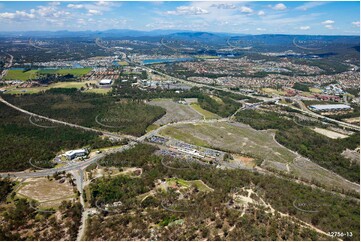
32	74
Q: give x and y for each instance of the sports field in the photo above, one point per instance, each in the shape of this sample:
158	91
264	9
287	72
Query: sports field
75	72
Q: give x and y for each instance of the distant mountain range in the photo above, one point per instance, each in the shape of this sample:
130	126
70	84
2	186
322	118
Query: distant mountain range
134	33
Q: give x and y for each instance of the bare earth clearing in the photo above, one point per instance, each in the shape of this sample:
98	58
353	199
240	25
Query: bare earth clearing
240	138
175	112
47	193
329	133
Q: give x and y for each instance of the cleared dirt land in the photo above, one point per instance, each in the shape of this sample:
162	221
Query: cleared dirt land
329	133
352	120
240	138
47	193
175	111
237	138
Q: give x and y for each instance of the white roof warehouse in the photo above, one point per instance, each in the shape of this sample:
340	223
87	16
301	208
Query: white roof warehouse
330	107
105	82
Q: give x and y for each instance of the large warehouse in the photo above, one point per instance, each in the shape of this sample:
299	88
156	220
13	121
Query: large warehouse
105	82
329	107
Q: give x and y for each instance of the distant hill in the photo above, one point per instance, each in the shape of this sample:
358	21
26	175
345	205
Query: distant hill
162	32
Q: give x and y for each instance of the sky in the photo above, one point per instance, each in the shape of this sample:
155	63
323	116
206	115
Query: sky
251	17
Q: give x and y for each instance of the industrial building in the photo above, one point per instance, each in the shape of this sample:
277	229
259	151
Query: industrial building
71	154
105	82
329	107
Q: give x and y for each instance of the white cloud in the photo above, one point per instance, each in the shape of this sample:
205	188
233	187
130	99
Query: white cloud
279	7
357	24
7	15
18	15
224	6
328	22
187	10
305	27
246	9
94	12
309	5
54	3
45	11
261	13
260	29
75	6
103	3
329	26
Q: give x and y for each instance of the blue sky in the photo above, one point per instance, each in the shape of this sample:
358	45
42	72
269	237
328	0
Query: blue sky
251	17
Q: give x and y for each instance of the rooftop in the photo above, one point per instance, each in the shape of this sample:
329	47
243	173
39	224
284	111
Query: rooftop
330	106
105	81
71	152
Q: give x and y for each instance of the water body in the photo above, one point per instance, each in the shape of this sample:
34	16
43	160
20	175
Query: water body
77	66
309	56
115	63
158	61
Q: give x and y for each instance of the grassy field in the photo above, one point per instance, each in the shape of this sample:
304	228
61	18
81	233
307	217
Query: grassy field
181	135
75	72
20	75
175	111
205	113
99	90
217	99
315	90
273	91
123	63
206	57
187	184
152	127
27	75
31	90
